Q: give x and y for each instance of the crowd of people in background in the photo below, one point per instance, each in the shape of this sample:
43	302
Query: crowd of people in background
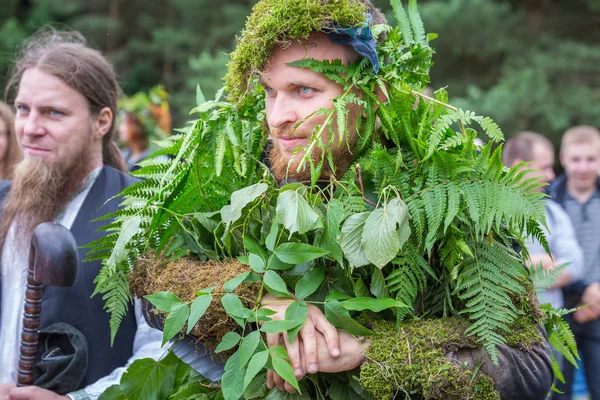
572	216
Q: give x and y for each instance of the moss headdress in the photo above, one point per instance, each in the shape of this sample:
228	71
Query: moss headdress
274	23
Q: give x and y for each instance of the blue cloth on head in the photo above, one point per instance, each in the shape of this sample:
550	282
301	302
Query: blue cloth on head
360	37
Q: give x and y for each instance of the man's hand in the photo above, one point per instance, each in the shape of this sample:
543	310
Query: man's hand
11	392
353	353
5	390
543	260
591	297
307	360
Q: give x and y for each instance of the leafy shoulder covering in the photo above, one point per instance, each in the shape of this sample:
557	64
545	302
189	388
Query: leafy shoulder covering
423	225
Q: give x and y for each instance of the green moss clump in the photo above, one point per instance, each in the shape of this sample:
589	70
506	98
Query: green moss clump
184	277
276	22
523	332
411	360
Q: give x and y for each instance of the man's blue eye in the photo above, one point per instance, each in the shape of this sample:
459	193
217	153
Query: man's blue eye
56	113
305	90
22	109
269	90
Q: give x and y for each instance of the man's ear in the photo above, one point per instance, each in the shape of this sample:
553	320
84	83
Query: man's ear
103	122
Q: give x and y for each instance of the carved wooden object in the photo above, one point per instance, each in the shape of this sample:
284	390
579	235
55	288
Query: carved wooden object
52	261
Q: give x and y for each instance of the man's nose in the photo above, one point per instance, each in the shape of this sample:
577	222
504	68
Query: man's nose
33	125
282	112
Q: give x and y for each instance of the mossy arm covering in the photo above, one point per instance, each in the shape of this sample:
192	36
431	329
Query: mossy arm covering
276	22
411	360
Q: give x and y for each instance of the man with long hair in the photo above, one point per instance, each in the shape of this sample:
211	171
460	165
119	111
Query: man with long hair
65	95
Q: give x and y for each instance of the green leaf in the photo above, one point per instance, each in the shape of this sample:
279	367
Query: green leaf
240	199
164	301
352	232
264	314
275	394
234	307
175	321
232	382
310	282
298	253
129	228
295	213
113	392
369	303
234	282
198	308
297	311
205	291
279	325
256	364
379	237
149	379
284	369
340	318
360	289
248	347
256	263
256	389
378	287
271	239
243	259
275	285
200	99
279	351
333	219
229	341
254	247
276	264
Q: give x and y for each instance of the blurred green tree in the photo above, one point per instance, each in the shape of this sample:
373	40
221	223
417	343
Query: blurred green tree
530	64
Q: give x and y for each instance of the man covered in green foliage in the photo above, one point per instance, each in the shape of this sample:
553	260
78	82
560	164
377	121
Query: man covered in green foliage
294	98
379	241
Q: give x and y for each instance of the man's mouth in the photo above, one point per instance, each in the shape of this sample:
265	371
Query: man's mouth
36	151
293	142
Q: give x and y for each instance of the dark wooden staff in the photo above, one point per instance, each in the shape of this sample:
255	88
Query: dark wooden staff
52	261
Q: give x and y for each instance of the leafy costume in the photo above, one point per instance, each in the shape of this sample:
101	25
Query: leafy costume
412	246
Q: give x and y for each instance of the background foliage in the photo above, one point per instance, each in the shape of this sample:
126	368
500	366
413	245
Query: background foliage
529	64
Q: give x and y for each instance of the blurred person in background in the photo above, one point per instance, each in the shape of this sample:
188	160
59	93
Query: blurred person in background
538	151
10	152
145	117
577	191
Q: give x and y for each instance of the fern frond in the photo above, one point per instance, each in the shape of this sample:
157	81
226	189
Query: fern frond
416	23
485	283
403	21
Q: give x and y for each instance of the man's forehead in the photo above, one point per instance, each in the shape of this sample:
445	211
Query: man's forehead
41	87
582	149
